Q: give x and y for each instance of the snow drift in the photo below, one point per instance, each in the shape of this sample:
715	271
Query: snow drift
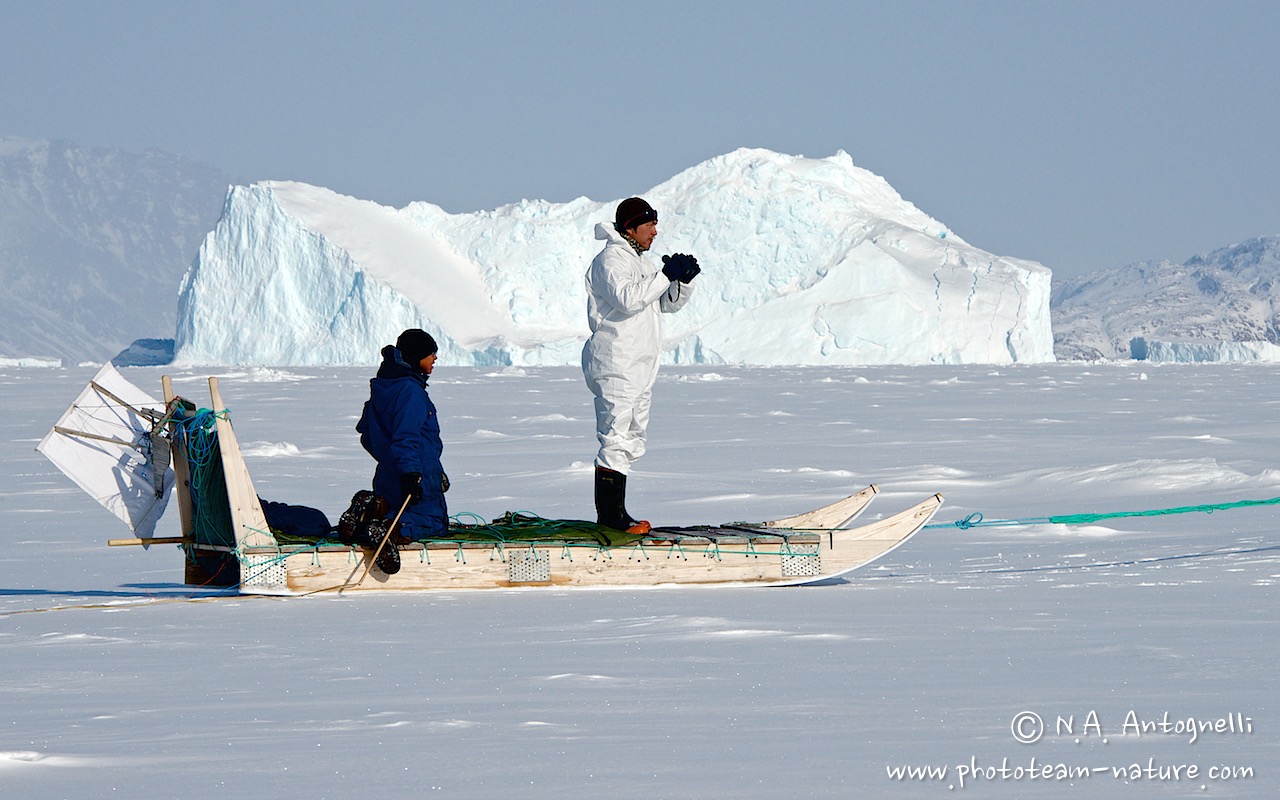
805	261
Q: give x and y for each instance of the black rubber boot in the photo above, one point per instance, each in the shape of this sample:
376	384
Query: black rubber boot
611	502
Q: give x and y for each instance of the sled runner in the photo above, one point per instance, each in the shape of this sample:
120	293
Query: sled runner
115	442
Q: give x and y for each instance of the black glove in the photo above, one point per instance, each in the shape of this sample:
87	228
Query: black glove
672	268
411	485
444	481
680	267
692	271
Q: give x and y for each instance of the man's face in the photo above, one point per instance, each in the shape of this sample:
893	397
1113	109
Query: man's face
427	364
645	234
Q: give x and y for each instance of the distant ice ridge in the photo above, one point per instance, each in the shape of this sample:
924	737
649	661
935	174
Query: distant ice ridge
805	261
33	361
1191	352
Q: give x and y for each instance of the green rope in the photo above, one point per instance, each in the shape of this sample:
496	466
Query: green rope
523	526
520	528
975	519
210	508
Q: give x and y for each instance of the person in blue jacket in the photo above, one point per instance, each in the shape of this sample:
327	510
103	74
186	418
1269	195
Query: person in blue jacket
399	428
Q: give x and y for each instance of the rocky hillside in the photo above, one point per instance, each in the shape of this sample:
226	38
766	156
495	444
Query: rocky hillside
93	245
1213	303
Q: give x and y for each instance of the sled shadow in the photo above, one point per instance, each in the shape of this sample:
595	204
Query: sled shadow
128	591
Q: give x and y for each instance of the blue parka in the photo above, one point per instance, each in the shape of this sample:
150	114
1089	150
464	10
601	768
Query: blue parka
399	428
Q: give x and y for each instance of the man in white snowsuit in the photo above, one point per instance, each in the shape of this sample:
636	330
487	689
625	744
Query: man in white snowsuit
625	299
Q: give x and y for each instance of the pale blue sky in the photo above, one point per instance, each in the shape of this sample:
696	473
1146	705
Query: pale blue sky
1085	135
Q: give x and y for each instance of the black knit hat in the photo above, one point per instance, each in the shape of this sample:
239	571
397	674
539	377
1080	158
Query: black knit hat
414	345
632	213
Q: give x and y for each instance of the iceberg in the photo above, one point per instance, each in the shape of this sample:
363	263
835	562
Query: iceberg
805	262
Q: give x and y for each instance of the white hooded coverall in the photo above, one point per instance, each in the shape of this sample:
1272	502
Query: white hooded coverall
625	300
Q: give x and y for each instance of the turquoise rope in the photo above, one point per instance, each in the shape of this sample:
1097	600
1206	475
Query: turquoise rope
210	509
975	519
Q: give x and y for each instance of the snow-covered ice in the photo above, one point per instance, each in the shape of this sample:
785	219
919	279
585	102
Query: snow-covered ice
805	261
119	681
1186	352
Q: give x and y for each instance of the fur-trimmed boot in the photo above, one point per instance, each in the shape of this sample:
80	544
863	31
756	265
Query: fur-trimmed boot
611	502
365	508
389	557
364	524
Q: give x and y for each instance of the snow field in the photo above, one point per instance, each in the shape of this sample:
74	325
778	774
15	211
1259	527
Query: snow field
134	688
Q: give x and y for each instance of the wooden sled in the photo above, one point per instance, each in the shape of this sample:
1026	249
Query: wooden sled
807	548
714	555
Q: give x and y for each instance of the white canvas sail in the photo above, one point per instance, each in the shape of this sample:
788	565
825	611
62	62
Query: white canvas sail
104	444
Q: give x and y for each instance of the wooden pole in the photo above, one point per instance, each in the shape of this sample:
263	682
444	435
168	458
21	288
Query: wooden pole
145	542
181	467
251	529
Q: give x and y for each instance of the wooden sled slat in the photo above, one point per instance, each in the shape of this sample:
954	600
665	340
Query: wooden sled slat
836	515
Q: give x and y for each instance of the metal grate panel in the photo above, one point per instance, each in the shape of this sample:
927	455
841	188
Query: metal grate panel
264	571
804	561
529	566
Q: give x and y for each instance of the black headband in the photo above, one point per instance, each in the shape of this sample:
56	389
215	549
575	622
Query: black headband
648	215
